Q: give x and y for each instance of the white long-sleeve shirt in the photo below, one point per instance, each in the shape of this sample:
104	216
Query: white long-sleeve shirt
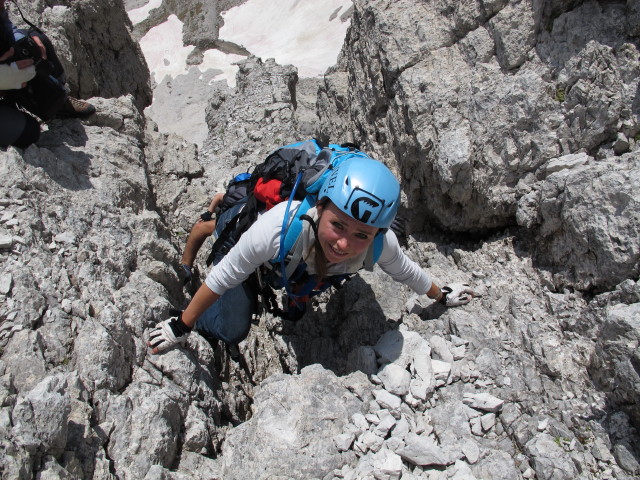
12	77
261	244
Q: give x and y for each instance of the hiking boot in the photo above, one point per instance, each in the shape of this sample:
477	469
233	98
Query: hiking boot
77	108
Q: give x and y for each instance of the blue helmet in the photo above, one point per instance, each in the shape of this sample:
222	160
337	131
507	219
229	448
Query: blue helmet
364	189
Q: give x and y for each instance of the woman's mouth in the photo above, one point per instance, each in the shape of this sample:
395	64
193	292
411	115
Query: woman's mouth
337	253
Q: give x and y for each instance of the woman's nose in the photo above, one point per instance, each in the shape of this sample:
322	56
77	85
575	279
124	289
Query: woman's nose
342	243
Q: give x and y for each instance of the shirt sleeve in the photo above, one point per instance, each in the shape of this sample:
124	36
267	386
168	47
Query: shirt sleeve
12	77
259	244
394	262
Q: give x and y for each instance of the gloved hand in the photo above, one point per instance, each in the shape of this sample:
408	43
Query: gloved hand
457	294
206	216
167	334
188	273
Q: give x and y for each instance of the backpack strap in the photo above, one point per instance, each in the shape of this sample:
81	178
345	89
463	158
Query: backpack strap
293	245
286	225
294	257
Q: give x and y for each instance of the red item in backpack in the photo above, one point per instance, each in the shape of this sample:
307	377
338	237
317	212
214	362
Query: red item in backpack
268	192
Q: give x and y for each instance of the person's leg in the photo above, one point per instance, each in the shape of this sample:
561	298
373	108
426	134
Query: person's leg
30	134
17	128
229	319
73	107
199	233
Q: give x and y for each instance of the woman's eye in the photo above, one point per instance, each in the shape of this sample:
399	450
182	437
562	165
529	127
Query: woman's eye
338	225
362	236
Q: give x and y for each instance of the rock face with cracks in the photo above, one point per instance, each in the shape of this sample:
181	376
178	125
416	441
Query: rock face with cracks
516	143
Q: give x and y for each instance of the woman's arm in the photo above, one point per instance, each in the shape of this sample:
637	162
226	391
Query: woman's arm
395	263
402	269
257	245
203	299
175	330
435	292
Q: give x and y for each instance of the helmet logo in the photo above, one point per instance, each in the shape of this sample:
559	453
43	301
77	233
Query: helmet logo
364	206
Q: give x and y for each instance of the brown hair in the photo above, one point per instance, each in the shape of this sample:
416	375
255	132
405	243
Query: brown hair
322	265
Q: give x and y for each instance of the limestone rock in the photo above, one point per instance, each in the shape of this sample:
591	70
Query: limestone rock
303	435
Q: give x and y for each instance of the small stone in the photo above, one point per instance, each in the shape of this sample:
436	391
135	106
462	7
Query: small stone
459	352
621	144
393	444
471	452
387	400
6	241
6	283
396	379
488	421
387	465
483	401
387	422
476	426
344	441
415	305
66	305
371	441
372	418
441	372
543	424
420	450
401	428
566	162
440	349
360	421
65	237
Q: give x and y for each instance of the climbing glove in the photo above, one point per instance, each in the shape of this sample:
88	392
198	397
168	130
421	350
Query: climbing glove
188	273
207	216
169	333
456	294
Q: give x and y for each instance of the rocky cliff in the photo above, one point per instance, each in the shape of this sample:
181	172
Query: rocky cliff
514	126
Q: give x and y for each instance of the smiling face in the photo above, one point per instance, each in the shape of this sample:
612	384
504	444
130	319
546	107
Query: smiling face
342	237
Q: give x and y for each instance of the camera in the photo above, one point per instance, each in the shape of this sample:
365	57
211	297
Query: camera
26	48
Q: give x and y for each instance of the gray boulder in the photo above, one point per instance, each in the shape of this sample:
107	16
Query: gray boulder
294	437
615	360
585	217
485	103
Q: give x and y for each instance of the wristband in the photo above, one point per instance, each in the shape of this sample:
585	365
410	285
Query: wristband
180	327
443	297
